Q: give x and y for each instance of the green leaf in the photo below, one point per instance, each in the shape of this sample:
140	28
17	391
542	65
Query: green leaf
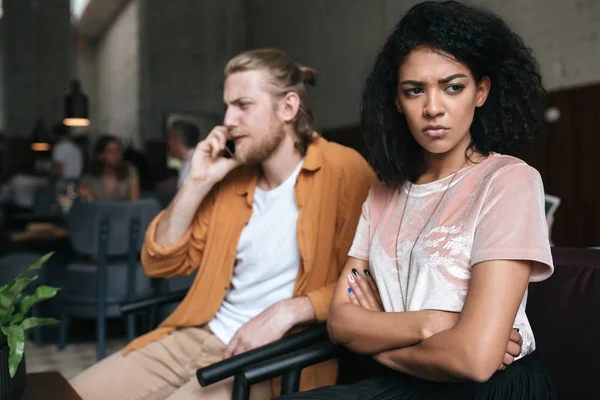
16	344
3	288
42	293
18	285
17	318
33	267
38	264
34	322
13	325
9	293
5	320
9	298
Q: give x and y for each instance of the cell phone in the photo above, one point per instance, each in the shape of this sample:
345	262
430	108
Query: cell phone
229	149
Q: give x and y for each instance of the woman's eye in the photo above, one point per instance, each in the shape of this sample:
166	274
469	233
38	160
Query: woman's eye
455	88
413	92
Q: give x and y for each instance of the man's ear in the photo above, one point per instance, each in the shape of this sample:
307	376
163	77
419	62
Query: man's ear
288	106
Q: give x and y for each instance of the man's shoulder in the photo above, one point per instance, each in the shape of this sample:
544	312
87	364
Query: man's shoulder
344	158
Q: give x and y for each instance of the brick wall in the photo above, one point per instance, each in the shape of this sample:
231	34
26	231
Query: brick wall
184	47
564	36
2	94
118	72
37	53
86	70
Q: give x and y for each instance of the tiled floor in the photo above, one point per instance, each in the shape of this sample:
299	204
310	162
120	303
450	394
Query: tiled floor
70	361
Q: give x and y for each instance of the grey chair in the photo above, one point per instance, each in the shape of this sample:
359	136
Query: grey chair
45	204
106	238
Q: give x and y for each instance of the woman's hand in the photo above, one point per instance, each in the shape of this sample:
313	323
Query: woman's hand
363	292
513	349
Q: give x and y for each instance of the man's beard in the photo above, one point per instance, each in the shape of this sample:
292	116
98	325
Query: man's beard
259	148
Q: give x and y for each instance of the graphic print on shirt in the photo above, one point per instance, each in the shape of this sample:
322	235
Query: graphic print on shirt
447	246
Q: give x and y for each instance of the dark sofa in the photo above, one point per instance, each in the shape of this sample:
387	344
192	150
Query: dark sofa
564	312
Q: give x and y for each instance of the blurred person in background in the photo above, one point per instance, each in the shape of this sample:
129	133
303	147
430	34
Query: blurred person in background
182	139
109	176
66	155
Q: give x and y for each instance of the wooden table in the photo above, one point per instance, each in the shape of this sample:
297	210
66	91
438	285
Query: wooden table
49	386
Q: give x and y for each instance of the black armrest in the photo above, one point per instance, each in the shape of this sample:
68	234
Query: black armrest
140	305
290	366
226	368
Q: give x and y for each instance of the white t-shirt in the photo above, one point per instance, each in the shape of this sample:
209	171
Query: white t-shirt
267	260
69	155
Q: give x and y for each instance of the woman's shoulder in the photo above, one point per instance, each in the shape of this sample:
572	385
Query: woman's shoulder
500	167
379	198
381	192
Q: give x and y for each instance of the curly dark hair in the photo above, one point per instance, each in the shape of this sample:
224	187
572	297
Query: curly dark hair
511	115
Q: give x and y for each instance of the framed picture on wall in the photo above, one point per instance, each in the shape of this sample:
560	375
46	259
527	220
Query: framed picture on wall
205	121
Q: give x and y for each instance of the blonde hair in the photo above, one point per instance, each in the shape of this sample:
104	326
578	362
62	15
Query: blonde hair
284	76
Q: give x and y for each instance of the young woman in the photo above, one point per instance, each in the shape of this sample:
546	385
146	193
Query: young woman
109	177
436	285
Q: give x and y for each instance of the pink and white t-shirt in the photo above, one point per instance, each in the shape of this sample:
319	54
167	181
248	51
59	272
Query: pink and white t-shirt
493	210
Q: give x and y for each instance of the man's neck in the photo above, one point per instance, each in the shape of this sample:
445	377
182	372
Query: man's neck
282	163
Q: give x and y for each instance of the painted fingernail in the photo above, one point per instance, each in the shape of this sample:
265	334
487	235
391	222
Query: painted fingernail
354	271
350	277
350	290
367	273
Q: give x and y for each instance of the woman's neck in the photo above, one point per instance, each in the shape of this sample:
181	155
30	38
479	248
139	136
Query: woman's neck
439	166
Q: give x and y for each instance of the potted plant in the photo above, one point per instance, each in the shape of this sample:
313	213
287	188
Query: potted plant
14	322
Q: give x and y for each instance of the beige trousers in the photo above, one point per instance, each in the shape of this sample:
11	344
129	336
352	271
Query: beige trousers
165	369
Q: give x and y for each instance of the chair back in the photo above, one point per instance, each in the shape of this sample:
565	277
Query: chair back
45	203
564	312
111	222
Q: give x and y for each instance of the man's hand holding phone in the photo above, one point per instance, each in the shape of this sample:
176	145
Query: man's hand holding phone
213	158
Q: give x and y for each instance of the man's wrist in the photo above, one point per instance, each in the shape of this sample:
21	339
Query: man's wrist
196	184
298	310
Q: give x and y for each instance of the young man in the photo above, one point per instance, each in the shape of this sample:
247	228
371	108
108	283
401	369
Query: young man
268	231
182	139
